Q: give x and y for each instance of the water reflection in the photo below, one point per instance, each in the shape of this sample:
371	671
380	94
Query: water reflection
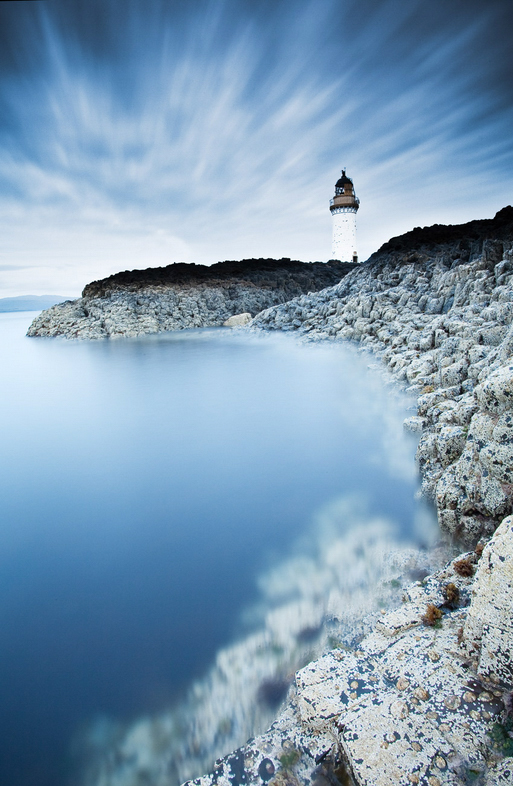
167	523
325	594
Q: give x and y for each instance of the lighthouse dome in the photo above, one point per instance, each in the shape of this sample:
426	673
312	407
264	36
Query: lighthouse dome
343	180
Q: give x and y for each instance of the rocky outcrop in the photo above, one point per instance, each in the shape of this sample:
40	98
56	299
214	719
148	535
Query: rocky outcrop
488	631
238	320
437	306
181	296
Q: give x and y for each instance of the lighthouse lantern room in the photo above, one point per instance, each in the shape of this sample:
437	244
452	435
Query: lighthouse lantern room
344	207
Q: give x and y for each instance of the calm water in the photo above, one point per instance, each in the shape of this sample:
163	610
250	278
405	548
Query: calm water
145	485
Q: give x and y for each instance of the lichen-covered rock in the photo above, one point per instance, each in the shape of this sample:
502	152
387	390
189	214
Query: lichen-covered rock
488	629
501	774
450	443
498	460
496	393
403	708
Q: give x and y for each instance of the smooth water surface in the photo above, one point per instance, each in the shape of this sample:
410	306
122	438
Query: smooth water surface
145	485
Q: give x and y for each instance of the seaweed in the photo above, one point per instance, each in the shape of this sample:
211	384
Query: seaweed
289	758
451	594
501	740
433	616
464	567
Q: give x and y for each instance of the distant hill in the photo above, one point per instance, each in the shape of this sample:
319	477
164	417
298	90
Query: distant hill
30	302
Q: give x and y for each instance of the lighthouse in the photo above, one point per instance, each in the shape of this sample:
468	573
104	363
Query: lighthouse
344	207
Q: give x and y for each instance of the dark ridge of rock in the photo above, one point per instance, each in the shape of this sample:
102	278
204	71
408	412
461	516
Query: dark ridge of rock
462	237
265	273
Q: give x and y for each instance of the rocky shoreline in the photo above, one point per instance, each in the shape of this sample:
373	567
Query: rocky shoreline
180	296
311	602
421	700
436	305
425	697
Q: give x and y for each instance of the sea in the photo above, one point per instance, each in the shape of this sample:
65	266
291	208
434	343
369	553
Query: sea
160	497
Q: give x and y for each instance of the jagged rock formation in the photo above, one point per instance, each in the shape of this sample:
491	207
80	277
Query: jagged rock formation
427	697
181	296
488	632
437	306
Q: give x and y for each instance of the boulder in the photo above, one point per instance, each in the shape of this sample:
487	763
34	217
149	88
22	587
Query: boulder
238	320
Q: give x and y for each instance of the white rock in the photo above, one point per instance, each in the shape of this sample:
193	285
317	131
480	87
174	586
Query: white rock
238	320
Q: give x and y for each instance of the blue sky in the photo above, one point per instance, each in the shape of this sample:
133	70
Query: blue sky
144	132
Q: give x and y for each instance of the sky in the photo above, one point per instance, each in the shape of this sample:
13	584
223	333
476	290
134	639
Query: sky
137	133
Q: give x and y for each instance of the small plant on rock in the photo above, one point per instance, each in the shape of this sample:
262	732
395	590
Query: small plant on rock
464	567
433	616
501	739
451	594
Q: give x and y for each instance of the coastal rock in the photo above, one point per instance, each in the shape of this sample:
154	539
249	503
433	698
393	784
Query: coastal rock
238	320
405	707
182	296
488	630
495	394
425	697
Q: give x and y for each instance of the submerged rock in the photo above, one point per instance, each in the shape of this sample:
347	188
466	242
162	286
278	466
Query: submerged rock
407	705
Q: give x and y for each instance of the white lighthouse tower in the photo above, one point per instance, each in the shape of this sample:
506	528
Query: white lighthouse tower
344	206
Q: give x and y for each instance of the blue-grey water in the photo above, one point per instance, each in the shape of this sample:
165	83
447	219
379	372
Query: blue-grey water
145	486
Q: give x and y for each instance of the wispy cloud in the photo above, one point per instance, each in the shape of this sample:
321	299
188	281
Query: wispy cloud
216	130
